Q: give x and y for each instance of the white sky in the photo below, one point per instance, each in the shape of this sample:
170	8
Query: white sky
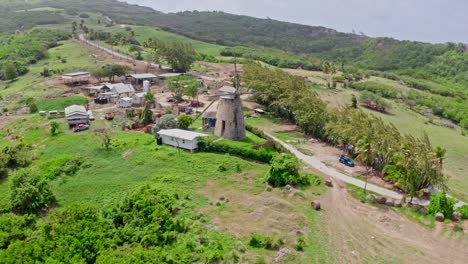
423	20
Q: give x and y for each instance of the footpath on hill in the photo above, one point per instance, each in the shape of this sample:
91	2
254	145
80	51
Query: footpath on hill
319	165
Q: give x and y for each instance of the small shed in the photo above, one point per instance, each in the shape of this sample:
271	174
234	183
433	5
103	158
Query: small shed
209	120
76	114
138	99
138	79
76	78
179	138
95	90
125	102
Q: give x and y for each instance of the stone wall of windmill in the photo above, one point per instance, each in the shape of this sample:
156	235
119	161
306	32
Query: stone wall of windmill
230	122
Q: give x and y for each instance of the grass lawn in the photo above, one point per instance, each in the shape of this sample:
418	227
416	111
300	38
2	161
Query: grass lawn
60	103
134	160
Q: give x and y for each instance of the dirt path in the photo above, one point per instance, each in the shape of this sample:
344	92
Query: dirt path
361	233
317	164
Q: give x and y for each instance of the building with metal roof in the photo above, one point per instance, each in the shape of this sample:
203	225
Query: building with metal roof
179	138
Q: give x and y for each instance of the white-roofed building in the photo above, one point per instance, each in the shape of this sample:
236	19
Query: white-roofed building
76	114
121	89
180	138
138	99
141	77
125	102
76	77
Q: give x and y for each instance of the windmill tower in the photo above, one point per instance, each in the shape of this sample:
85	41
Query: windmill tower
230	117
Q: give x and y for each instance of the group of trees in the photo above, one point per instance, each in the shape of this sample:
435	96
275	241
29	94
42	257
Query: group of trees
179	55
18	51
143	227
416	164
111	71
183	85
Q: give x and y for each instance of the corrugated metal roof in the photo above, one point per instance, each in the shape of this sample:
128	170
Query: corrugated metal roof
77	74
182	134
75	109
168	75
143	76
121	88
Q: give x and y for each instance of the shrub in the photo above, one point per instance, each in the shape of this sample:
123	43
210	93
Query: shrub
440	203
463	210
285	170
30	193
184	121
54	127
261	241
300	244
167	121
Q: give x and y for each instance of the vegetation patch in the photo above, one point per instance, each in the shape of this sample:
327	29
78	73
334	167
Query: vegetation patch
59	104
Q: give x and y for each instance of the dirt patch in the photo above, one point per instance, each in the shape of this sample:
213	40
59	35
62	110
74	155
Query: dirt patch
127	154
242	209
361	233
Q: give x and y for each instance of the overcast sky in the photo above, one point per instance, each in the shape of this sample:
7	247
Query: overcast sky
423	20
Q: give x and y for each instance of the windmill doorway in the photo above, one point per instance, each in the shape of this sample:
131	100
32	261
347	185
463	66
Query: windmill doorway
223	128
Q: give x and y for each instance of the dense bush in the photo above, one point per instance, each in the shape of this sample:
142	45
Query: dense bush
440	203
264	154
463	210
284	170
18	51
30	193
62	166
146	216
383	90
144	227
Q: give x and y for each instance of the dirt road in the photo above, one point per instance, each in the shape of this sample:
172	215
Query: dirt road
362	233
317	164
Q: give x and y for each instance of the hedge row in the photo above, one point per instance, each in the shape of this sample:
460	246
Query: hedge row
263	155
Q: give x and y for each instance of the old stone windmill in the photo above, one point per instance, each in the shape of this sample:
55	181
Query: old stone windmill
230	117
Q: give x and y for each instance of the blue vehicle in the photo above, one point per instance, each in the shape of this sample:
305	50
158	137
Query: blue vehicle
346	161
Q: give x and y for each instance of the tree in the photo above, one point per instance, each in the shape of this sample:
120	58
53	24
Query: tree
365	155
183	85
184	121
111	71
285	170
149	98
10	72
354	101
30	193
54	127
167	121
74	27
180	56
105	136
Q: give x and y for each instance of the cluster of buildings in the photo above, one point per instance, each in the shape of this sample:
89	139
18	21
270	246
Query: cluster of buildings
123	94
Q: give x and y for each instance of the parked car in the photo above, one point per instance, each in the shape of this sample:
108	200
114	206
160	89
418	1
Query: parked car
80	127
346	161
109	116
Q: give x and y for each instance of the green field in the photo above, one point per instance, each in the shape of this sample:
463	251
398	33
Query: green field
34	85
